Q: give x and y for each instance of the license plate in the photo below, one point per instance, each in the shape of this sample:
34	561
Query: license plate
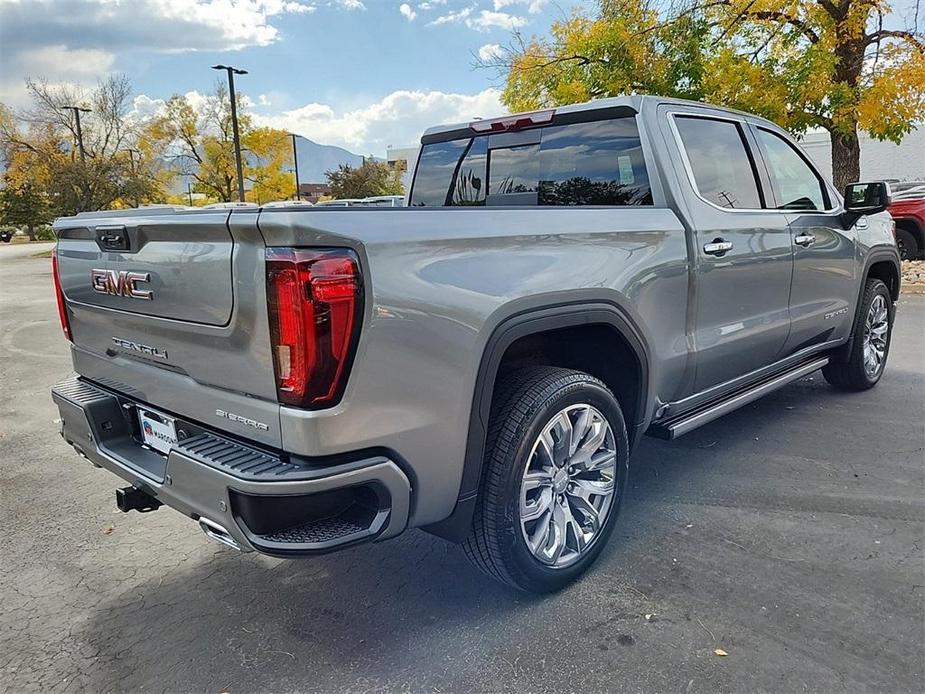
157	430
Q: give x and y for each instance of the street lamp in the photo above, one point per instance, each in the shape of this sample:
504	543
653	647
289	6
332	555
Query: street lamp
77	110
131	158
295	161
232	71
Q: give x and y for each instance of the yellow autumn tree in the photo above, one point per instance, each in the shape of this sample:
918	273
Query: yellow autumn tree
268	165
199	139
104	164
829	64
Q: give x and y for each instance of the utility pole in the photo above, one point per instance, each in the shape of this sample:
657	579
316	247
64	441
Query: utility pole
131	158
77	110
189	192
232	71
295	161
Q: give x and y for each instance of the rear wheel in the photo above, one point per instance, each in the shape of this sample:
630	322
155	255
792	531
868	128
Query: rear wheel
906	244
553	478
870	345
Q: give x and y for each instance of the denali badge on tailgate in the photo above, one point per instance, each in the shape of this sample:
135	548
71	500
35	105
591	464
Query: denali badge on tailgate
121	283
138	347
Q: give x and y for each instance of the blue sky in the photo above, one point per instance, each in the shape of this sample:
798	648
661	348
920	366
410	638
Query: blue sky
362	74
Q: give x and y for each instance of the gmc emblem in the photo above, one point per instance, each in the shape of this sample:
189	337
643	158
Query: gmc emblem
121	283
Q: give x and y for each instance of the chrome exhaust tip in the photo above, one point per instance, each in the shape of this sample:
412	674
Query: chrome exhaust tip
216	532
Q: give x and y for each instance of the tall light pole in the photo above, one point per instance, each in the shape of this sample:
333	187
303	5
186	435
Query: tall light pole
131	158
232	71
295	161
77	110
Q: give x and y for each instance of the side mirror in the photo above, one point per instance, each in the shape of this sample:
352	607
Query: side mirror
865	198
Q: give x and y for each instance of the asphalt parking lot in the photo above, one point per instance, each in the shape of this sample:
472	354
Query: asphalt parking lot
788	534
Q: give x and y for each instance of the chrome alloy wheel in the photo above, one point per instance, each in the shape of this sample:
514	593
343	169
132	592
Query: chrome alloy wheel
568	485
876	327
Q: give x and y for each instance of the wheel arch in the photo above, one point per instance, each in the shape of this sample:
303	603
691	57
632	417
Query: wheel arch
914	227
533	324
885	267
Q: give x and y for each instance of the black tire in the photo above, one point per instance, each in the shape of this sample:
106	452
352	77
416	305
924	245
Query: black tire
849	373
525	401
906	244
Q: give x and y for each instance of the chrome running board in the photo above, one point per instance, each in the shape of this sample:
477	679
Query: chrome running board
673	427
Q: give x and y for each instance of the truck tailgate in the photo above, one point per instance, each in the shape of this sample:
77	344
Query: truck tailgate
170	308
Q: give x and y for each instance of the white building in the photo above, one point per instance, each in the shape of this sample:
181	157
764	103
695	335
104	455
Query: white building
879	160
407	155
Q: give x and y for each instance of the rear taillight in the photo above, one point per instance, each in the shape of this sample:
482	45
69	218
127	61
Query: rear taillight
315	300
59	295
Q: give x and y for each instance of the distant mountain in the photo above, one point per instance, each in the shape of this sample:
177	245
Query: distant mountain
315	159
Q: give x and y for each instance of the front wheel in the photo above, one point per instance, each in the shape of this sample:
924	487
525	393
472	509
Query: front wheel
555	469
870	345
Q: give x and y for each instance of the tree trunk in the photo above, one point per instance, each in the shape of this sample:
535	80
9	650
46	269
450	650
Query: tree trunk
30	230
846	158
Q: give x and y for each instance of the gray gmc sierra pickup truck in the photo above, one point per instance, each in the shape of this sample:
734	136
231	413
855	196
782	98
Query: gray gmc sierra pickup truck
480	363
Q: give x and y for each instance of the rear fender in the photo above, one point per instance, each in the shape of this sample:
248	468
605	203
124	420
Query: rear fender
456	527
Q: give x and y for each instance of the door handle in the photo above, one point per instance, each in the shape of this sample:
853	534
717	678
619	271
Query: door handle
718	247
804	240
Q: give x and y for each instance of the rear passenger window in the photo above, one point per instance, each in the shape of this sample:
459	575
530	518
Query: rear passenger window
796	185
434	172
471	186
720	162
598	163
514	170
592	163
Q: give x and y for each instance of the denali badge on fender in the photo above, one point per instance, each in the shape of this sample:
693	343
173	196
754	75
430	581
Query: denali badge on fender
121	283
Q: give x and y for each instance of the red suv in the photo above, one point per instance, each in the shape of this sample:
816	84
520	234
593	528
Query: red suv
908	210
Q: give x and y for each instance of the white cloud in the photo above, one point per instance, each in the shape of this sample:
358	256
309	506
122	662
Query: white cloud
533	6
430	4
352	4
79	41
483	21
489	52
397	119
298	8
144	106
157	25
61	62
486	19
452	17
407	11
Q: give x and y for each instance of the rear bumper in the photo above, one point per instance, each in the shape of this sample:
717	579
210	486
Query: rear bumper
245	497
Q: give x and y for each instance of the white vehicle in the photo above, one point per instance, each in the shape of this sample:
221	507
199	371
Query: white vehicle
343	202
288	203
384	201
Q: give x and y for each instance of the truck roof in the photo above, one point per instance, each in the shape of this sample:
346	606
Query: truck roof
632	102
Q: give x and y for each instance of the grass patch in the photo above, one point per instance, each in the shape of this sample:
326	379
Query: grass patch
44	254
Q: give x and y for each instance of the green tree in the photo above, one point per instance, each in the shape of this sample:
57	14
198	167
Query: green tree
23	206
269	164
371	178
803	63
200	138
41	148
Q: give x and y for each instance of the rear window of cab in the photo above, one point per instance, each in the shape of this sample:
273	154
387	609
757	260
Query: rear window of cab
588	163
